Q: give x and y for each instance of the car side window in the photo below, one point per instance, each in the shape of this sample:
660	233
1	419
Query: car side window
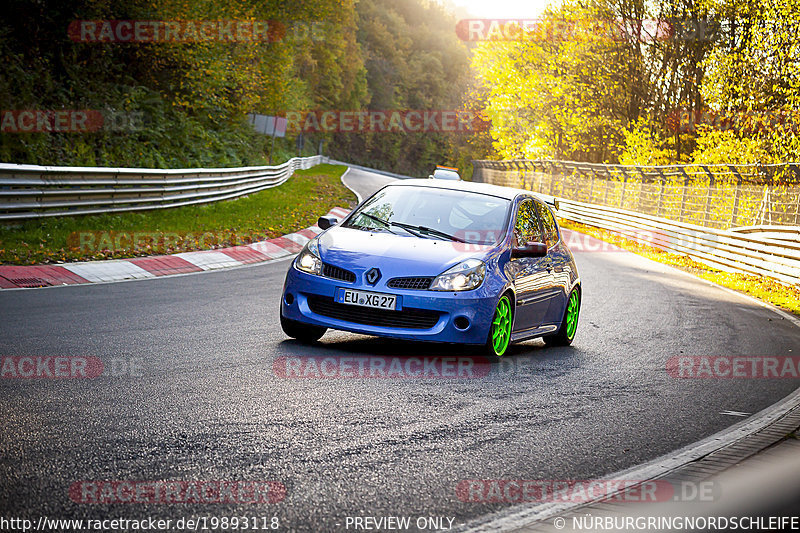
548	225
526	226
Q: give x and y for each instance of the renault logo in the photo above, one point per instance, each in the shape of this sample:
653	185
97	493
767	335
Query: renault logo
372	276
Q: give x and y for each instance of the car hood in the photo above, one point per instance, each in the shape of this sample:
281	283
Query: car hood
395	255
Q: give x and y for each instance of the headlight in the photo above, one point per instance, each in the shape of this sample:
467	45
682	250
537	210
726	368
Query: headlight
462	277
308	260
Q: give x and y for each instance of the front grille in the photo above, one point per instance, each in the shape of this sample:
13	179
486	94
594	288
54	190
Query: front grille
419	284
406	318
330	271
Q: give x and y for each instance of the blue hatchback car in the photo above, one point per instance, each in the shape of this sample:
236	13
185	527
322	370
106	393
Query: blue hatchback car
441	261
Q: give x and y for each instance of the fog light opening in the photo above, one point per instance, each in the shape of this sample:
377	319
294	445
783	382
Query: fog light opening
288	298
461	322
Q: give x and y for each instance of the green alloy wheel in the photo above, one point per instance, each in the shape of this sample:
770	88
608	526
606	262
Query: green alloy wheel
569	324
500	330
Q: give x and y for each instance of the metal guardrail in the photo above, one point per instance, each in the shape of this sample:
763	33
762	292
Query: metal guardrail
714	196
767	250
731	251
32	191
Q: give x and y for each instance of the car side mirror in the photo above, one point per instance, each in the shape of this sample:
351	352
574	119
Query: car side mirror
532	249
327	221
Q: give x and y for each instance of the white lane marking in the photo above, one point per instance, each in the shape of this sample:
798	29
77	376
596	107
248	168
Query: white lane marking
734	413
108	271
209	260
359	199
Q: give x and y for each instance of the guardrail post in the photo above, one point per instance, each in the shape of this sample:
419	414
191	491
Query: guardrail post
797	208
683	193
663	181
711	186
640	200
624	185
736	195
796	170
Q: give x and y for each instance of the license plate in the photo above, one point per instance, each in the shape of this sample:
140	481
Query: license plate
375	300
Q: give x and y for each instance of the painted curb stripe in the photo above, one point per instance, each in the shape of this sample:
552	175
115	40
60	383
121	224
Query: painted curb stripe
37	276
164	265
288	244
14	277
269	249
307	233
245	254
210	260
108	271
339	212
298	238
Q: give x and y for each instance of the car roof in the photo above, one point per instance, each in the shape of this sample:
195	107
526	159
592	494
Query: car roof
481	188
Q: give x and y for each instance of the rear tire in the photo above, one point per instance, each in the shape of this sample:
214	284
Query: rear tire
302	332
569	323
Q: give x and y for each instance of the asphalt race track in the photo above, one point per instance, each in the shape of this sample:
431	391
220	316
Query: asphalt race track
189	392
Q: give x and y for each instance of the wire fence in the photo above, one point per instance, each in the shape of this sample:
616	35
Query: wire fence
712	196
735	218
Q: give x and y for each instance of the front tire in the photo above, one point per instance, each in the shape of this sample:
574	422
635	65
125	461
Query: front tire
302	332
569	324
500	328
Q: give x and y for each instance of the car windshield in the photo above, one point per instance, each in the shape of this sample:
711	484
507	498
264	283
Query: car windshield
434	213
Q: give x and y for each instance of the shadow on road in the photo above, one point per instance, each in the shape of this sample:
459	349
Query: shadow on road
360	353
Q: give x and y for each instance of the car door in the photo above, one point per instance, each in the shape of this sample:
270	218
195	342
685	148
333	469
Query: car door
558	264
533	279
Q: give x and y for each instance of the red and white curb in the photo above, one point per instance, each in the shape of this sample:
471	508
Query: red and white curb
13	277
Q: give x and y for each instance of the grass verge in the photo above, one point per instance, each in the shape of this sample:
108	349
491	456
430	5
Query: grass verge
264	215
761	287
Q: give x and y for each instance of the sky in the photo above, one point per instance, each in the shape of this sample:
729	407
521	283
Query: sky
503	8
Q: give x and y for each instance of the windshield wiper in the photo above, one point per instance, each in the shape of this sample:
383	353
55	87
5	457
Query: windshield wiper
389	224
429	231
414	230
379	220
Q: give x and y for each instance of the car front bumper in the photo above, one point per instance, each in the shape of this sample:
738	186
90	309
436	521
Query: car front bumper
309	299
